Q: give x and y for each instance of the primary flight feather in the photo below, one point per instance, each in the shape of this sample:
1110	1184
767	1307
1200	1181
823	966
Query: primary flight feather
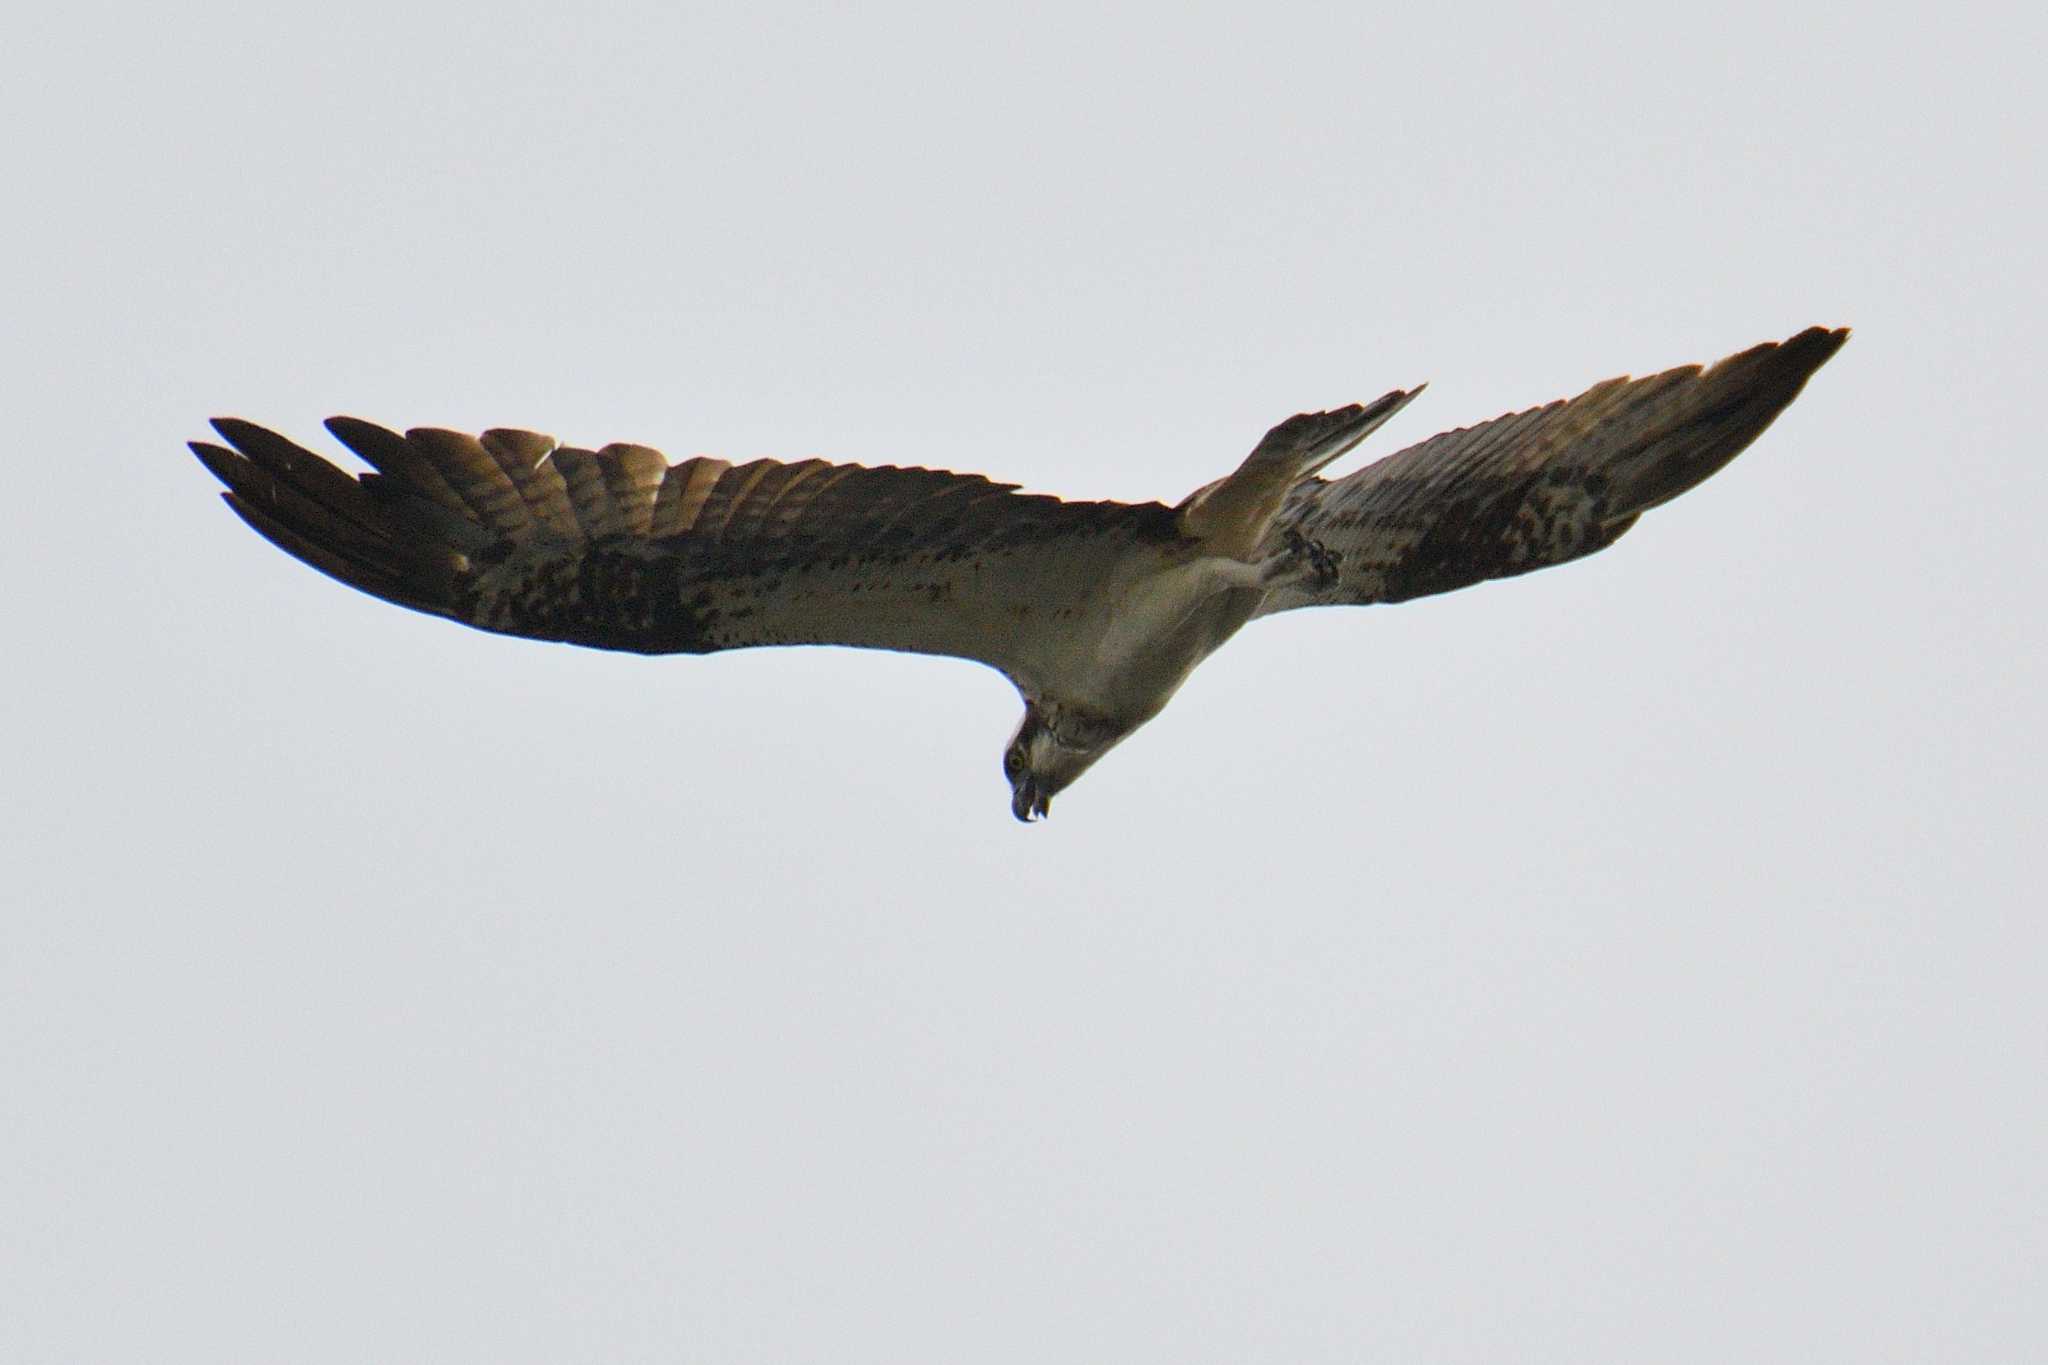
1097	611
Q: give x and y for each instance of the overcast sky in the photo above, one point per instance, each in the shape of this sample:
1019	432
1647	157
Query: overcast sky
1640	960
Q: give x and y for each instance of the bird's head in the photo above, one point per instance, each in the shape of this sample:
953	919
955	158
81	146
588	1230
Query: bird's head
1053	746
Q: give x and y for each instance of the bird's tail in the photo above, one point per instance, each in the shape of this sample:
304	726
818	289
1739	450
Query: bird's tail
1231	514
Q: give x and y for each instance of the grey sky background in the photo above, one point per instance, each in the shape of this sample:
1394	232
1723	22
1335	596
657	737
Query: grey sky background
1639	960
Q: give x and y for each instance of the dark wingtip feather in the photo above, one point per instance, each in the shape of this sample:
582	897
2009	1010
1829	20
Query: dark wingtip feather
382	448
1782	368
235	430
327	518
222	463
356	571
1815	346
293	465
342	427
1728	406
1794	358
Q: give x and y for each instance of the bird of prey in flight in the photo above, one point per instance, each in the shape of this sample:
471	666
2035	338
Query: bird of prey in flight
1097	611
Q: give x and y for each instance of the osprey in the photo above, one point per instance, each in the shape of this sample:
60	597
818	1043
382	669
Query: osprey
1097	611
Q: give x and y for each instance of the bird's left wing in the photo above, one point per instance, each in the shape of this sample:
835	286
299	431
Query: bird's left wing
619	549
1540	487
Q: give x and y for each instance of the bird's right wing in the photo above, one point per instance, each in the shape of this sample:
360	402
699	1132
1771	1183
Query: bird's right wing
1540	487
618	549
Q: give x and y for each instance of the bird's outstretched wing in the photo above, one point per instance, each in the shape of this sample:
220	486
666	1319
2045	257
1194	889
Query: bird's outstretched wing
1539	487
618	549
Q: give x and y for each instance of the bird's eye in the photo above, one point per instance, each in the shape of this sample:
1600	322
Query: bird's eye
1013	763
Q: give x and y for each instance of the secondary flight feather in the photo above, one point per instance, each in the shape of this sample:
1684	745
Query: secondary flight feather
1097	611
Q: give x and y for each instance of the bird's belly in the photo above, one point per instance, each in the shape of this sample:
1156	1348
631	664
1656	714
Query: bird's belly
1144	640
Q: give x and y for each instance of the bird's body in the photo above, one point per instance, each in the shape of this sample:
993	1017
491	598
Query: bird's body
1097	611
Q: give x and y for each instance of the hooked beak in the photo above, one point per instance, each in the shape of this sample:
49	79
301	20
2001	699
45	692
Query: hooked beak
1029	802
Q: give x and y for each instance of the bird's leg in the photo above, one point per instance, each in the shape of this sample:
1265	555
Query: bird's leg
1300	563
